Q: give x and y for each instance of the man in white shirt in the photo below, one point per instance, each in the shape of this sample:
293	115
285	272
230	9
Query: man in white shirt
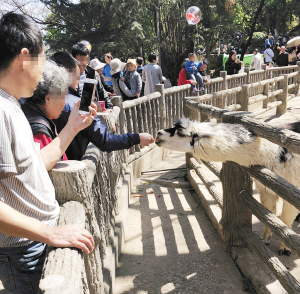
256	60
28	208
268	55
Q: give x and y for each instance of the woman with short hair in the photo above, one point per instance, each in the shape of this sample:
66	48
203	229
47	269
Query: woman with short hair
47	103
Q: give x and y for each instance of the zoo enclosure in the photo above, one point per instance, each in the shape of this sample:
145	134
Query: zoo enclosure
88	191
236	202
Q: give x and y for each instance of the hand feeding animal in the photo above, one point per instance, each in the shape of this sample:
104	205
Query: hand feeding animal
232	142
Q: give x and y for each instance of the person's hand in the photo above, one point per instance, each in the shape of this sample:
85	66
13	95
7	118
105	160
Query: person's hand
71	236
78	122
113	128
146	139
122	79
237	60
194	67
111	94
137	94
206	82
194	83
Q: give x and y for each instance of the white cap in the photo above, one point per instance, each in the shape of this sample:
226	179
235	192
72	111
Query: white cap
96	64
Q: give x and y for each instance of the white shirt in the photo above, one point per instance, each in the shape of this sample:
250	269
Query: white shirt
152	75
24	181
268	55
256	61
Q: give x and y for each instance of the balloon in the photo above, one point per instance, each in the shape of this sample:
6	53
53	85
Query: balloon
193	15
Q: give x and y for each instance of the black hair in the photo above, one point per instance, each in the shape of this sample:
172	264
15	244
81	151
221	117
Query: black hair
268	46
17	32
152	56
205	61
139	60
80	49
64	59
256	50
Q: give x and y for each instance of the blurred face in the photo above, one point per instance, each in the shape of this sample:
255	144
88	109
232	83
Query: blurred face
203	67
130	67
55	102
233	57
282	49
99	71
32	70
75	77
83	62
107	59
192	58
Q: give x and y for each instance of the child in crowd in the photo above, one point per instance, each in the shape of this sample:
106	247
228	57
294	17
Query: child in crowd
132	78
192	66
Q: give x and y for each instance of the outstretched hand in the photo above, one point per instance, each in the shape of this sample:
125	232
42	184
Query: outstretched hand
71	236
146	139
81	121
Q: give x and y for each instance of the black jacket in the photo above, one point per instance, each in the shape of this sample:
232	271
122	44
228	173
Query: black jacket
96	133
283	59
108	88
39	122
101	94
231	67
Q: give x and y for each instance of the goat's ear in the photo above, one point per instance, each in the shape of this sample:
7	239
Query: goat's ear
200	136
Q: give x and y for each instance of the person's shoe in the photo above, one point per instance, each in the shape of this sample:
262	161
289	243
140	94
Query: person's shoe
202	89
195	90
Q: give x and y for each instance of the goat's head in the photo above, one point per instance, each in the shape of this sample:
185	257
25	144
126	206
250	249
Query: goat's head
182	136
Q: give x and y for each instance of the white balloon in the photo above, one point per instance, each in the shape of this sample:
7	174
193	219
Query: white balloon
193	15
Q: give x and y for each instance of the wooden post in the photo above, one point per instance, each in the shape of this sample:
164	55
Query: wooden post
190	113
117	101
242	98
297	90
234	214
281	109
223	74
247	71
162	105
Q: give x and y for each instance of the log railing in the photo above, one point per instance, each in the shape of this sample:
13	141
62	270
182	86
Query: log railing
236	201
88	191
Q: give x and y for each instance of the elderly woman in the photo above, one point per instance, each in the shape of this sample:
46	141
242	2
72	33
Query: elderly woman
46	104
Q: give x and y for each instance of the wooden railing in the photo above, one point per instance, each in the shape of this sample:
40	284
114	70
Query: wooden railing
236	201
88	192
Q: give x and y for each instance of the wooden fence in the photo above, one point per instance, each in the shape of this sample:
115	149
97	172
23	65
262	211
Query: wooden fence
236	202
88	190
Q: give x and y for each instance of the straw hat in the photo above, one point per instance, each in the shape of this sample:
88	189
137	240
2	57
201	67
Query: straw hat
132	61
116	65
96	64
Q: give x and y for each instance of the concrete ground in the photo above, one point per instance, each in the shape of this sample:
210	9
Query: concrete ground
171	246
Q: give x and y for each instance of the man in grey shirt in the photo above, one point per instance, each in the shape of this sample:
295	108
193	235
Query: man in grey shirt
28	208
152	74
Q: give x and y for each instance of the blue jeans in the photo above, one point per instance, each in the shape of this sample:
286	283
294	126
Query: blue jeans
21	268
196	76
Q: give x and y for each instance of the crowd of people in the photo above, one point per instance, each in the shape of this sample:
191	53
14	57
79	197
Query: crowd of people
40	124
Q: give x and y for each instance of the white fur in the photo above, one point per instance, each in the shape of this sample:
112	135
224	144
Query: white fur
217	142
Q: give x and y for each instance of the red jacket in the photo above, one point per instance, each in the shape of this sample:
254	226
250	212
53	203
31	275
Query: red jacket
183	78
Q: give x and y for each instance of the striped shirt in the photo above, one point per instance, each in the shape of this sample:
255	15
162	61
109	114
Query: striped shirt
24	182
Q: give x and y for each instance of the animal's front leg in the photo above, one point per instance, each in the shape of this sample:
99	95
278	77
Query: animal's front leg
288	215
268	199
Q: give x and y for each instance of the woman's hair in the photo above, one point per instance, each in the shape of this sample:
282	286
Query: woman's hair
152	56
65	60
55	78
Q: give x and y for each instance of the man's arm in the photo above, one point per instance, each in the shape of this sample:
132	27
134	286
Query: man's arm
54	151
14	223
98	134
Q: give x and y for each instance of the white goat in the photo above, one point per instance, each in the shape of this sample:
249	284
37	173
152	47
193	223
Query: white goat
231	142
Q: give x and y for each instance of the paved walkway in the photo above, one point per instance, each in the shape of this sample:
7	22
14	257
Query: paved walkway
171	246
